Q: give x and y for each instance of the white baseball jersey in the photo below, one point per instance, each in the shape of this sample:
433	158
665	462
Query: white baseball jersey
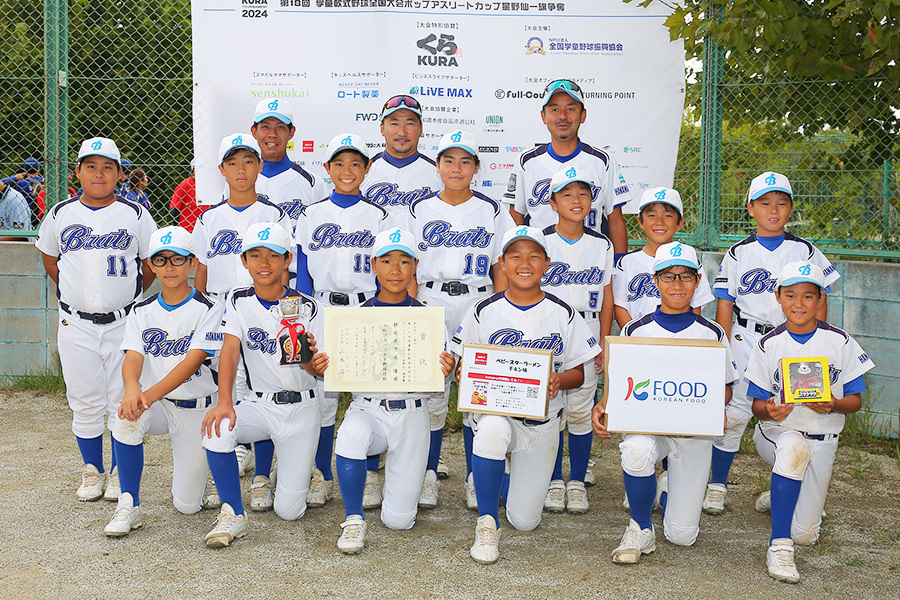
748	275
291	189
100	252
164	334
529	184
635	291
394	184
846	362
551	324
218	236
578	272
457	243
258	328
338	243
14	211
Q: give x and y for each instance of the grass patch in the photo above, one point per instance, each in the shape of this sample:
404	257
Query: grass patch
862	467
48	381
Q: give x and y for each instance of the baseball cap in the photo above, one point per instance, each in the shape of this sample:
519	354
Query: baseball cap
273	107
176	239
801	272
401	102
675	253
126	164
523	232
100	146
769	181
459	139
237	141
661	194
346	141
394	239
566	176
31	164
563	85
266	235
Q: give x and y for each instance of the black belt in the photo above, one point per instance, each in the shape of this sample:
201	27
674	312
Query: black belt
396	404
757	327
455	288
341	299
587	314
204	402
98	318
288	397
822	437
534	422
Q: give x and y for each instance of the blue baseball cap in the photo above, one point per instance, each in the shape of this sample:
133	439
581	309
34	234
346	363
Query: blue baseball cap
31	164
394	239
126	164
675	253
176	239
273	107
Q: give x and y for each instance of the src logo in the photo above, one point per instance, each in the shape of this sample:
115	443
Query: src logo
633	389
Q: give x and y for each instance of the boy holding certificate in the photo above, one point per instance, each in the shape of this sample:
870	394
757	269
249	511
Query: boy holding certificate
800	440
395	423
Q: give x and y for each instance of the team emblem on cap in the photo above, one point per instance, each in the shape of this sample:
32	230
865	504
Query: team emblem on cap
97	145
676	251
166	239
660	195
273	105
346	141
395	236
237	141
805	270
264	234
570	172
523	231
456	136
770	180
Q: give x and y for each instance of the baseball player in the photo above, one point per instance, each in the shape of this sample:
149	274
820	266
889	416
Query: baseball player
523	316
282	403
395	423
334	240
458	240
400	175
217	239
14	212
579	273
677	275
745	292
528	192
171	339
94	247
800	440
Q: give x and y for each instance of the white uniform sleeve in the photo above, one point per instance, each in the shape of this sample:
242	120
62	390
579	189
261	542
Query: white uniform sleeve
831	274
466	333
758	369
725	280
731	371
620	286
201	241
610	270
231	321
147	227
581	345
48	241
620	195
854	363
207	335
300	236
703	294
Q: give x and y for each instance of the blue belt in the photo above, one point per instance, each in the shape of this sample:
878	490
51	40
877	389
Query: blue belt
396	404
822	437
204	402
535	422
288	397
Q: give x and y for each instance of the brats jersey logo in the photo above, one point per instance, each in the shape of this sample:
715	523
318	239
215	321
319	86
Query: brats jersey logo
658	390
438	51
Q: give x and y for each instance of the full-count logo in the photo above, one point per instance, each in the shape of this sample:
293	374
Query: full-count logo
441	51
658	390
501	94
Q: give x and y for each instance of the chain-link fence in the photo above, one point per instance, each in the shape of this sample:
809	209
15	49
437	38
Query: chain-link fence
127	75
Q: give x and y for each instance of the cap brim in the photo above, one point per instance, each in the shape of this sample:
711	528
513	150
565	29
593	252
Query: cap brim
281	117
655	201
801	279
233	149
522	237
674	262
468	149
771	188
400	247
274	247
175	249
391	111
118	161
575	180
571	94
346	149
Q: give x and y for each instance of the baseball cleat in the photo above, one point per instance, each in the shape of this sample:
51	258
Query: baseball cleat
244	459
320	490
471	498
228	527
261	497
92	484
353	538
556	497
429	496
372	494
576	498
780	561
112	491
486	549
443	471
714	501
625	504
126	517
764	502
635	541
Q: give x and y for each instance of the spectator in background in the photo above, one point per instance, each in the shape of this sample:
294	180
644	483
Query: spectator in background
28	182
41	200
184	203
137	181
14	211
127	168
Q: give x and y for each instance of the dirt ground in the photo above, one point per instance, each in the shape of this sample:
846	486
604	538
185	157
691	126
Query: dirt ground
53	546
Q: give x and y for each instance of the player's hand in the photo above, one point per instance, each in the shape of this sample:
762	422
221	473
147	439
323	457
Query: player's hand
597	421
133	404
458	371
777	412
213	419
598	362
319	363
822	408
553	384
447	363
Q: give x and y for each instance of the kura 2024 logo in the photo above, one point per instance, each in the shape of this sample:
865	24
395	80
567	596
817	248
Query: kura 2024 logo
656	390
438	51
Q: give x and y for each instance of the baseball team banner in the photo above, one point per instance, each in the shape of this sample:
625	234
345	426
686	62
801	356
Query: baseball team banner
476	66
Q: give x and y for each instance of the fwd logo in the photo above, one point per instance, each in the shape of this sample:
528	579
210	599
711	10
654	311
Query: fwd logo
366	116
633	389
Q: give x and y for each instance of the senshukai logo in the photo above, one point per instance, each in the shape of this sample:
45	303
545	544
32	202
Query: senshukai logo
633	389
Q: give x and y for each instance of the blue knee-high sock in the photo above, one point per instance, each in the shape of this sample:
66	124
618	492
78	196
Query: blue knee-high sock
114	459
785	493
132	461
263	455
579	455
224	469
434	450
323	452
372	463
557	466
504	489
468	440
665	464
641	492
351	474
663	500
91	451
721	465
488	483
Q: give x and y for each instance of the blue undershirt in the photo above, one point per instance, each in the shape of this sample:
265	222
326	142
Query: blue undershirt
674	322
566	158
770	243
399	162
406	302
271	169
522	307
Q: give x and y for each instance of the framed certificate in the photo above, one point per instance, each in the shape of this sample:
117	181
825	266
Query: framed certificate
505	380
806	379
384	349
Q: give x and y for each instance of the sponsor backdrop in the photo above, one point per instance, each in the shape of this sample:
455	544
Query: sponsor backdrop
476	66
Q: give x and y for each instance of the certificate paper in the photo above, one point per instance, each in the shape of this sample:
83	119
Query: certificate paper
384	349
505	380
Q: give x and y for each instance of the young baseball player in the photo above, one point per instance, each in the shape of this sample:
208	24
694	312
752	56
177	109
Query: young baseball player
800	440
523	316
393	423
528	192
745	289
676	275
579	274
458	238
170	339
94	247
218	234
334	240
282	403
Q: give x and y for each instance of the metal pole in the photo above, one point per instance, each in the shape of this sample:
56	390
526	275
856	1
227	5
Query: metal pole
710	142
886	205
56	103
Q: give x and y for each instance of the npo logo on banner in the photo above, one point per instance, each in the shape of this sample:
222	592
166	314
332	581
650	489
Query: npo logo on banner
665	386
